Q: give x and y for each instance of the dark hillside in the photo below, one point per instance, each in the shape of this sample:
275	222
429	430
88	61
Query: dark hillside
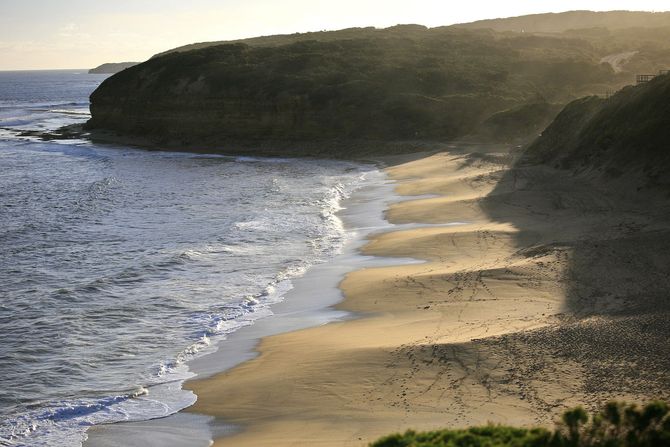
409	31
586	23
518	123
402	83
633	42
627	133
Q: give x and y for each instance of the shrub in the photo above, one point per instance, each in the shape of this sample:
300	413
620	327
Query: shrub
617	424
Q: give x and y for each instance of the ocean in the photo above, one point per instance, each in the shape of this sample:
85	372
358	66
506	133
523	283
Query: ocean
118	265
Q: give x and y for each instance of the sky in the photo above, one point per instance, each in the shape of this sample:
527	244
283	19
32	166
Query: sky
49	34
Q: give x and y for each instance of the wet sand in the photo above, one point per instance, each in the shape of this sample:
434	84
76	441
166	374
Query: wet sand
549	293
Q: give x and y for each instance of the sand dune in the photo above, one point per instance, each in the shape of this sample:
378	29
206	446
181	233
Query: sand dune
549	293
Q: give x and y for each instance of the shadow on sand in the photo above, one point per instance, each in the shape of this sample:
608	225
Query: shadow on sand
608	248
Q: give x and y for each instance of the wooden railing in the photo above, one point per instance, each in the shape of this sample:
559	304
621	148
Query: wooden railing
640	79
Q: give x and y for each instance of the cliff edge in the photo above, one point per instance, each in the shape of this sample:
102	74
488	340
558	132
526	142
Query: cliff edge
402	83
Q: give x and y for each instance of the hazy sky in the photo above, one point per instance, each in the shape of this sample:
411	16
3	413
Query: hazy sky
84	33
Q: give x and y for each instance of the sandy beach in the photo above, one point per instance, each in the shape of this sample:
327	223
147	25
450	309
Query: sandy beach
253	224
533	297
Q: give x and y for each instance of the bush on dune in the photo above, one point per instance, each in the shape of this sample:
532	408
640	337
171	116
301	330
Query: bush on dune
488	436
615	425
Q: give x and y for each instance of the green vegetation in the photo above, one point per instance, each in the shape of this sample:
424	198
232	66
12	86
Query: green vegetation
404	83
489	436
616	425
518	123
646	34
407	83
600	33
574	20
582	24
625	134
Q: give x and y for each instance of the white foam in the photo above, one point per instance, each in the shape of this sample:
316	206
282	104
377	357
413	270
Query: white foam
63	426
78	112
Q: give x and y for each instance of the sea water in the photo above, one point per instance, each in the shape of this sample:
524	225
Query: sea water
117	265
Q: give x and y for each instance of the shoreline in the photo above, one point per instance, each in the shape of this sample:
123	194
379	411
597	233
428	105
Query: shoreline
485	330
514	314
361	214
252	394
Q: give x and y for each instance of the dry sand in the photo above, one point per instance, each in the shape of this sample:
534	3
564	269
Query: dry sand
550	293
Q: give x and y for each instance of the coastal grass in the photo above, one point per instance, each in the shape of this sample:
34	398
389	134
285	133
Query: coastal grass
612	137
617	424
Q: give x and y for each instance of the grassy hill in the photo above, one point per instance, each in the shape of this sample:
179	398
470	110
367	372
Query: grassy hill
405	82
627	134
588	22
610	33
285	39
573	20
482	80
605	33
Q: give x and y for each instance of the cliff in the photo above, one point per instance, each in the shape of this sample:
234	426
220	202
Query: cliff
402	83
624	137
112	67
